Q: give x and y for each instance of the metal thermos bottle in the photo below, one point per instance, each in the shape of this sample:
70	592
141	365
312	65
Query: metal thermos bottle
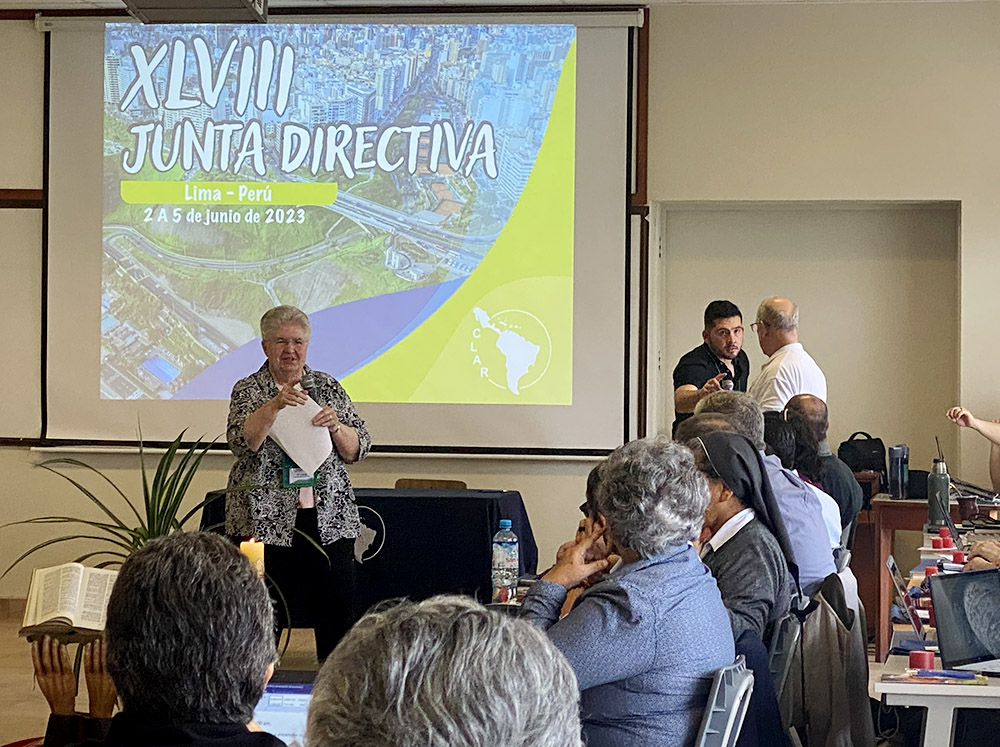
899	471
938	488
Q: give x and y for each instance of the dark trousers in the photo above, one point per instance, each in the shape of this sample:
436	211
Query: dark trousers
315	587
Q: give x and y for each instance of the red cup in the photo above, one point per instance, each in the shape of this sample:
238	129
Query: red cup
947	542
930	571
943	532
958	557
921	660
937	543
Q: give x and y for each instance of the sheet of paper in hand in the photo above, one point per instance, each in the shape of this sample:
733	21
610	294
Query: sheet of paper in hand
307	445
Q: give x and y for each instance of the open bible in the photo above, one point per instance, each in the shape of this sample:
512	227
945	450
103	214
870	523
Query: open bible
68	602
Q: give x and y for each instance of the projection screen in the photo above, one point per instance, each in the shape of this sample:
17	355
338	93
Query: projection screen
445	199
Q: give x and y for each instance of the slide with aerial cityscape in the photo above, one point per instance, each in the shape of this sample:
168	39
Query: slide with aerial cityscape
409	187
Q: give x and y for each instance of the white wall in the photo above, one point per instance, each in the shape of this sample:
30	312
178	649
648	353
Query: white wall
868	283
873	102
21	91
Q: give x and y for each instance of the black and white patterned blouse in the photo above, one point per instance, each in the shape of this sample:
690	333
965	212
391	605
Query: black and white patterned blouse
266	510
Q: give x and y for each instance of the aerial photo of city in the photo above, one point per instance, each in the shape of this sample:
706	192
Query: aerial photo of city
184	282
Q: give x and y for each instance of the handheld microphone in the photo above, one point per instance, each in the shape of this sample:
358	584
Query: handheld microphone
308	382
726	384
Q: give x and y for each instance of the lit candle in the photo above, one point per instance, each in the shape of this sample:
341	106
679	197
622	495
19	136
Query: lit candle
254	551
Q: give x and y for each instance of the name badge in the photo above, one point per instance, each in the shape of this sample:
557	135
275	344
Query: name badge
293	476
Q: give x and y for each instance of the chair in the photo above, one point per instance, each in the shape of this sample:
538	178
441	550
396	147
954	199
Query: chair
727	706
847	536
415	483
784	642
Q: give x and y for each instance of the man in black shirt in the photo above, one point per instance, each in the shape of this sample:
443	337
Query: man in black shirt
720	358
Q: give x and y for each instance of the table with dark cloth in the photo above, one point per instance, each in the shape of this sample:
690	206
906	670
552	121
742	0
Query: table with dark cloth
425	542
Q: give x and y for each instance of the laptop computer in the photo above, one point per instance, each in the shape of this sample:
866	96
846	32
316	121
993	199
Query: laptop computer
967	613
283	707
899	583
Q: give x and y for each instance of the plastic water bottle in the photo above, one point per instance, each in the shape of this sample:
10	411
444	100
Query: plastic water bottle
505	564
899	471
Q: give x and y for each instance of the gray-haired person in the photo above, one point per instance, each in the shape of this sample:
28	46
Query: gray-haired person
190	647
280	505
789	369
646	642
445	672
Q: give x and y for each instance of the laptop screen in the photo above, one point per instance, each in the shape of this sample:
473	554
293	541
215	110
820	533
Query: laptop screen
967	611
904	599
282	710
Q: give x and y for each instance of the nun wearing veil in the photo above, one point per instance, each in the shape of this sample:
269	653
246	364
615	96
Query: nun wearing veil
744	542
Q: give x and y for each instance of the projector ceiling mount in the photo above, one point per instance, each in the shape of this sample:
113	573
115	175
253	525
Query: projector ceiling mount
198	11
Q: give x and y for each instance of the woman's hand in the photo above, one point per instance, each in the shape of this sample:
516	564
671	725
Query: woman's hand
961	416
578	560
327	418
54	674
289	396
100	688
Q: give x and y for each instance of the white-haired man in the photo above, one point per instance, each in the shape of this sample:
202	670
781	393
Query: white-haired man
789	369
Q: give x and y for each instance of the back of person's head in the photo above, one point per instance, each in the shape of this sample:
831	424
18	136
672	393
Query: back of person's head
445	672
652	495
190	632
779	436
741	409
807	460
697	426
720	310
812	411
779	313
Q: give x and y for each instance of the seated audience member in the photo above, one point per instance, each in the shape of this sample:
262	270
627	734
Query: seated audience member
742	523
835	476
988	429
190	646
801	509
779	439
983	556
646	642
698	425
796	450
440	673
591	517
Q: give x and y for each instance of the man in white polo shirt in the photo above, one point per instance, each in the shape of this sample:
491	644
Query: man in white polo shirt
789	369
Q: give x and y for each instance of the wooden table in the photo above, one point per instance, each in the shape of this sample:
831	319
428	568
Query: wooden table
890	515
939	700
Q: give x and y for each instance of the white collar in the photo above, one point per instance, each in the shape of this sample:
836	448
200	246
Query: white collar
785	349
728	530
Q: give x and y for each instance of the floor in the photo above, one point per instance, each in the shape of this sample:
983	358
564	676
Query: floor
23	710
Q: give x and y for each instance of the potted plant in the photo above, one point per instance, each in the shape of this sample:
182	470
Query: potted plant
127	531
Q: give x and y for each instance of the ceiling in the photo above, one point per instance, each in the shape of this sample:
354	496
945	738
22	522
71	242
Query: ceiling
119	5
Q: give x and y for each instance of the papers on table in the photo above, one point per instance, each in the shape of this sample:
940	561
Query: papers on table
306	444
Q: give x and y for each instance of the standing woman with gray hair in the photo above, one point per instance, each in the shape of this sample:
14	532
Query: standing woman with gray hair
646	642
276	502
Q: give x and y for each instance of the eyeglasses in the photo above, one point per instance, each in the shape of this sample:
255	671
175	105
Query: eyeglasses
756	325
